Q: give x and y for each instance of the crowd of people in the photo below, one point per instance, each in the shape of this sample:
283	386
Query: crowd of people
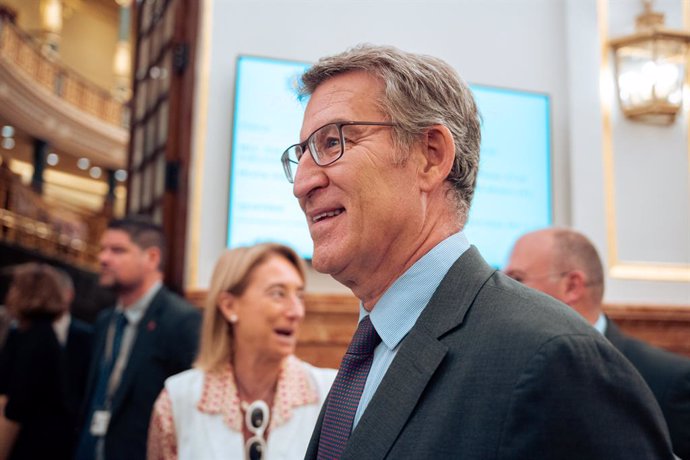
451	358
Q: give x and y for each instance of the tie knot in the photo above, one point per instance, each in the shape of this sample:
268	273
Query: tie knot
365	339
120	320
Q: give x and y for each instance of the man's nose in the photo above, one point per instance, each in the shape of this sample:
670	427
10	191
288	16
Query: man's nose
103	256
308	177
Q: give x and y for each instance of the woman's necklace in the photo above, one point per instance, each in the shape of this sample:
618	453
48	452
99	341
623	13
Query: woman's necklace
246	398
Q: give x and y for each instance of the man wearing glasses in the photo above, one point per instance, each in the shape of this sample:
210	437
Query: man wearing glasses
565	264
451	359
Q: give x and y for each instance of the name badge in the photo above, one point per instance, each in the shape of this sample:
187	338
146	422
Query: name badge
99	422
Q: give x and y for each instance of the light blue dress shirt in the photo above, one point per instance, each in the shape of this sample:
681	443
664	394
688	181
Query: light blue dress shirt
600	325
400	306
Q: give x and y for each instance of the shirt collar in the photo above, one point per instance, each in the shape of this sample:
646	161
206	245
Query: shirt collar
398	309
294	389
136	311
61	327
600	325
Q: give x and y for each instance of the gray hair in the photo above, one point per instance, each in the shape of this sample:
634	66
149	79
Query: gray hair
420	91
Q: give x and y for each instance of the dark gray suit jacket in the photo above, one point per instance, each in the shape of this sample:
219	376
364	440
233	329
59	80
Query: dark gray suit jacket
166	344
76	360
495	370
668	376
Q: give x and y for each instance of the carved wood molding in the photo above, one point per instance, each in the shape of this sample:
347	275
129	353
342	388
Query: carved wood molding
664	326
315	303
649	312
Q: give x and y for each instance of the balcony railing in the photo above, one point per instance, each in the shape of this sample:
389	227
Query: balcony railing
27	221
20	49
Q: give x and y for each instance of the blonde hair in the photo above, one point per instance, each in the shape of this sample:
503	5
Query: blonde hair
232	274
36	291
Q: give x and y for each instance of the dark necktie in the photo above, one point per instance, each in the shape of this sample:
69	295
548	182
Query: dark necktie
346	392
87	443
109	362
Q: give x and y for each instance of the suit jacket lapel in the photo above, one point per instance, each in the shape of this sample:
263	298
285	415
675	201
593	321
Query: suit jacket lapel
97	359
420	354
142	346
398	394
313	447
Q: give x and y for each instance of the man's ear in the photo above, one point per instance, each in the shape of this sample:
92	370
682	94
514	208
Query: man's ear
153	257
438	156
575	286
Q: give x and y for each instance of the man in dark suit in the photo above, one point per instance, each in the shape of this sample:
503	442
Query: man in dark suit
451	359
150	335
565	264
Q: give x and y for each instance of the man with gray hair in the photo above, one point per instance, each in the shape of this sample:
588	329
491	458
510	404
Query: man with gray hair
565	264
451	359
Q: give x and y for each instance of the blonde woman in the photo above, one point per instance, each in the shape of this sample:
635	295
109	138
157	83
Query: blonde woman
248	395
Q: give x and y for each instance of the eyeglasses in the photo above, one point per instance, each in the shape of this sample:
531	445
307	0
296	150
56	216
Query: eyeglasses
256	419
326	145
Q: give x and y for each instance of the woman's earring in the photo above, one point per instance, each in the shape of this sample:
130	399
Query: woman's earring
233	318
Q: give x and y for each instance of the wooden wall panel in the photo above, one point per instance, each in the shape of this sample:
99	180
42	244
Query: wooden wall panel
328	327
329	324
331	321
664	326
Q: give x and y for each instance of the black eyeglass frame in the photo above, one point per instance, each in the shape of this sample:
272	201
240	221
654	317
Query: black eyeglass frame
257	431
285	157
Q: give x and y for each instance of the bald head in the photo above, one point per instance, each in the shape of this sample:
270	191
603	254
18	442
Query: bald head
563	264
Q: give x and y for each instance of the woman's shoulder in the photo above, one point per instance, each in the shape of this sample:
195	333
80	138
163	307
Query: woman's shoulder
189	379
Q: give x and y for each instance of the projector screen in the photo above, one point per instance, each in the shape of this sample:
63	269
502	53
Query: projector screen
513	192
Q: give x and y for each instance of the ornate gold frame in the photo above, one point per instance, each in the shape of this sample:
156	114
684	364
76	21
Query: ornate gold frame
618	268
199	149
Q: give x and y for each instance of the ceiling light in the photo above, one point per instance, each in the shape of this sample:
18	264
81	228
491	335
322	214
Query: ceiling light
7	143
83	163
650	68
121	175
95	172
52	159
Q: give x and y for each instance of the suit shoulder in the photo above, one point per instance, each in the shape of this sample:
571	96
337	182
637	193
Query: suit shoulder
519	308
80	327
177	304
654	359
179	316
103	316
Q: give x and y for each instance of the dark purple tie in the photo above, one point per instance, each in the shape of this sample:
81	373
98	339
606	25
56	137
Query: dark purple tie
343	399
